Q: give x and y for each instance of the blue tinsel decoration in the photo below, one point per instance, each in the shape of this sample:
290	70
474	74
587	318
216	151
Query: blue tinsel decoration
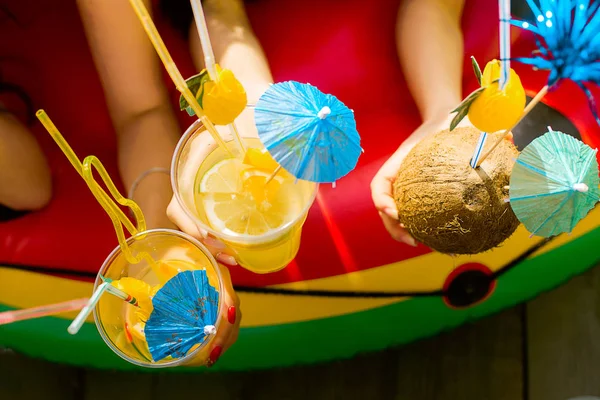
568	40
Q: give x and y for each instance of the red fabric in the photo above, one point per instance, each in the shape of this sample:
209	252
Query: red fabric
345	47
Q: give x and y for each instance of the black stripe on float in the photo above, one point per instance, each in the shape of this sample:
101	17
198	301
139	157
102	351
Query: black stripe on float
314	293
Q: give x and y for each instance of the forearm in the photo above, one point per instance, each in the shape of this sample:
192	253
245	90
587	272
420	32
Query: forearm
430	47
235	46
147	141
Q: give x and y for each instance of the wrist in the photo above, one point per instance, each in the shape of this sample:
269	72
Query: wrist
152	192
439	109
146	174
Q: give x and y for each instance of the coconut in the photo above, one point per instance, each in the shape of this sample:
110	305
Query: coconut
449	206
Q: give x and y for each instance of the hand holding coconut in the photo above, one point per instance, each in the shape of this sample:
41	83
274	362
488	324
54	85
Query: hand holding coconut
389	184
381	185
449	206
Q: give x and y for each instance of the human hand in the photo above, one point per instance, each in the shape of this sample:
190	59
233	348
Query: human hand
229	327
229	313
200	147
382	183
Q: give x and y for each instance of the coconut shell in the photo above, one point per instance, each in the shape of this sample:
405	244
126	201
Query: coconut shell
449	206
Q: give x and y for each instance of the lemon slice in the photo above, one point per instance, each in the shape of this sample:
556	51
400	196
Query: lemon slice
223	177
255	208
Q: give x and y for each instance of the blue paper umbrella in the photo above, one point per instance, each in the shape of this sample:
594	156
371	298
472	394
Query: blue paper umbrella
554	184
311	134
568	42
185	312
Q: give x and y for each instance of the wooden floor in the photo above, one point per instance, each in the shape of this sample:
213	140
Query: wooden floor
548	349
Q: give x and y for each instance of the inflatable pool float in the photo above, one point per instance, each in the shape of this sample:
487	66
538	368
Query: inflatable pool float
352	288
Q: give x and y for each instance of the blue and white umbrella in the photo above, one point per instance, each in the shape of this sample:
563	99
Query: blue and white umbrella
185	313
310	134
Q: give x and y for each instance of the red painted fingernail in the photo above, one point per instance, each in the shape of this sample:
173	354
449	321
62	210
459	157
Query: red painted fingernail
214	355
231	314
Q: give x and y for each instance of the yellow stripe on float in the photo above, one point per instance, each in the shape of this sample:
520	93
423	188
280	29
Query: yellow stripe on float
23	289
424	273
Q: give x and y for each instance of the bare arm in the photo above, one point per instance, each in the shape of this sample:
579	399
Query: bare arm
25	182
430	46
234	44
137	99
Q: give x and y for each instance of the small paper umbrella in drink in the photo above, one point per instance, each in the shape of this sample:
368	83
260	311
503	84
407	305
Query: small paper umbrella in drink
312	135
554	184
185	313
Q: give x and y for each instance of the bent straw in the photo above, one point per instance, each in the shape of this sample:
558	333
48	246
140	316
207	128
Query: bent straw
174	73
209	59
72	157
107	203
538	97
119	293
91	304
8	317
504	35
87	310
117	216
105	286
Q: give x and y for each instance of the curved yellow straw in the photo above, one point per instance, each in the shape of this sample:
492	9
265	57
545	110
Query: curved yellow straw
174	73
109	205
72	157
117	216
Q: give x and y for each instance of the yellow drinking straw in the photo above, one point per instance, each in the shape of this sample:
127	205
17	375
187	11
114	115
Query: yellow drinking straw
72	157
119	219
109	205
174	73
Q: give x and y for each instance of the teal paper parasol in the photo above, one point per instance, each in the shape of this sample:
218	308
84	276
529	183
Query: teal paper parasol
554	184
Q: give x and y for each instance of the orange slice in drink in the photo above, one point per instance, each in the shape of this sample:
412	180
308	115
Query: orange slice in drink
494	109
255	184
260	158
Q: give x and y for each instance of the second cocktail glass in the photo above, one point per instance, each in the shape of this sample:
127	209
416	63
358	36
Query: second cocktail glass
233	200
123	325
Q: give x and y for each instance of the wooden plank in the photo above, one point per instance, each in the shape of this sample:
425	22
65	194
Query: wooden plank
564	340
200	385
26	378
478	361
363	377
130	386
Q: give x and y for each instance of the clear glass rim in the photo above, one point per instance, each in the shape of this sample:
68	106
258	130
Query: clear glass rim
189	134
112	256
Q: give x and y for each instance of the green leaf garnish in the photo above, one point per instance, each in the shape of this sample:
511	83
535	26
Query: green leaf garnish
463	108
466	103
196	86
459	117
476	69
